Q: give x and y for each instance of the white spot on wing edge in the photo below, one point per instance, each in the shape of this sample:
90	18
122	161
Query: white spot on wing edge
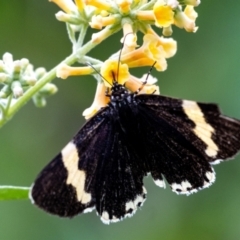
105	217
217	161
137	202
130	205
176	187
144	190
185	187
75	177
88	210
160	183
210	176
134	204
202	129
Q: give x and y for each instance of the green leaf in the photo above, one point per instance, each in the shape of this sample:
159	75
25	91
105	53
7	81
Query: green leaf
13	192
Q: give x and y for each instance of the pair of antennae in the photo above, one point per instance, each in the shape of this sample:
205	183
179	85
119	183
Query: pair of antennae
118	68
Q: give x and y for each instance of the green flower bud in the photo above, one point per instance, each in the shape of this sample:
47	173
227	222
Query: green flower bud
4	78
39	101
48	89
28	80
39	72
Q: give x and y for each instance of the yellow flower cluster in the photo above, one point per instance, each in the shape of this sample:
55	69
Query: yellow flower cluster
132	16
166	13
102	13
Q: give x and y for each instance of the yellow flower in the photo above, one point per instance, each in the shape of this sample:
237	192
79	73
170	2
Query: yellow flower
65	17
153	50
80	4
186	19
124	5
100	101
169	45
163	14
101	35
100	4
129	39
113	70
134	84
66	5
146	15
98	21
191	13
64	71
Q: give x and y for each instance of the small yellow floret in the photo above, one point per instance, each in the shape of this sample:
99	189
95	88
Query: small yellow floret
64	71
113	70
66	5
80	4
100	101
153	50
164	15
124	5
186	19
99	4
134	84
98	21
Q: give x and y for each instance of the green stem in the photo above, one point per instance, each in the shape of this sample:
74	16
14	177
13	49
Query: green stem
82	36
48	77
91	60
2	110
9	102
13	192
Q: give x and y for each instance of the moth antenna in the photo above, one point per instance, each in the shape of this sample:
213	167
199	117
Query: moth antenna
120	53
114	79
145	81
89	64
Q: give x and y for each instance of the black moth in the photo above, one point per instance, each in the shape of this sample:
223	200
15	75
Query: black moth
103	166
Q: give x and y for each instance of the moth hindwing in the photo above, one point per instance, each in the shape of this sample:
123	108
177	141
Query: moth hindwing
103	167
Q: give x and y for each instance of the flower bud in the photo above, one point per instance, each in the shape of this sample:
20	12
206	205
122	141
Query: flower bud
4	78
64	17
17	89
48	89
24	63
40	72
167	31
29	80
8	58
39	101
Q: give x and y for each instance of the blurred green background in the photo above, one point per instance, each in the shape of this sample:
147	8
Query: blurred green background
205	68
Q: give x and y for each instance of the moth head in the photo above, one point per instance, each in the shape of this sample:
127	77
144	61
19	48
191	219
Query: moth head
118	92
